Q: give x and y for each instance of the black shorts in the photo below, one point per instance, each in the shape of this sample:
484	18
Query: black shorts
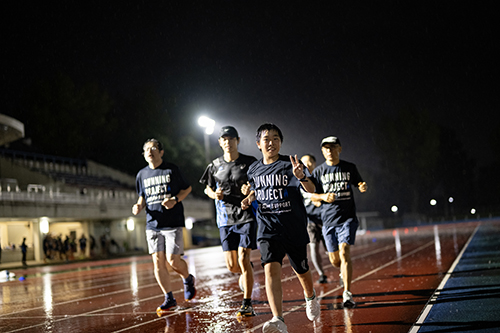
274	250
239	235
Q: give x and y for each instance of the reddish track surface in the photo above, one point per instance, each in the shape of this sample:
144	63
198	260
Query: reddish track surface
395	273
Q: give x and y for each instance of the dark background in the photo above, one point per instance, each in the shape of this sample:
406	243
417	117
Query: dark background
409	87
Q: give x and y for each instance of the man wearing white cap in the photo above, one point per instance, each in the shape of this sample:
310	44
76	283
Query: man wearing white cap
335	179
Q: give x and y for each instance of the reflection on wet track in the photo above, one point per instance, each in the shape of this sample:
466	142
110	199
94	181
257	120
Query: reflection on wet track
395	273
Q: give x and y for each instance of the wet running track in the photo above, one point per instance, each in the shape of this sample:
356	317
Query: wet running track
396	274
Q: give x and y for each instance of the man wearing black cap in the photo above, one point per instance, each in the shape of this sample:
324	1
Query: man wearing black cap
336	179
226	182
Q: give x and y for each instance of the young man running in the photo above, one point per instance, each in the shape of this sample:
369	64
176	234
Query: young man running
282	221
314	225
225	179
335	179
161	188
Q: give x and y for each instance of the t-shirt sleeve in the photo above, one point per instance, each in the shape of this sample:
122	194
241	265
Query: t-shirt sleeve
250	179
138	186
207	177
316	176
356	177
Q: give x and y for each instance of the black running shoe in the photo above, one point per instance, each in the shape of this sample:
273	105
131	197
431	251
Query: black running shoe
246	311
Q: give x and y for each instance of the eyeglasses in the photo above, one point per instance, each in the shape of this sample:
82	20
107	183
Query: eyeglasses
150	149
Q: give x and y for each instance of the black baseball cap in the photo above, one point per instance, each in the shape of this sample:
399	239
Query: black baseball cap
330	139
228	131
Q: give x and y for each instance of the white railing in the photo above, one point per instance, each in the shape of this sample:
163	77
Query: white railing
117	197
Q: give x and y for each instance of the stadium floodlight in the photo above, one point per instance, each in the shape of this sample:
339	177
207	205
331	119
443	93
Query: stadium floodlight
209	125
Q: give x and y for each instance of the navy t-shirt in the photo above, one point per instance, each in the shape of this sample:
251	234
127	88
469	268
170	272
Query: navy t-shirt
229	176
154	185
338	179
281	213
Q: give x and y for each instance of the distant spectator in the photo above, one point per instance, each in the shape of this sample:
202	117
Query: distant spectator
24	250
47	247
72	247
92	246
61	248
104	245
83	244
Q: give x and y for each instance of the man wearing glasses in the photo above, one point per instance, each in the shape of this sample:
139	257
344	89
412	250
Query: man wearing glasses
161	188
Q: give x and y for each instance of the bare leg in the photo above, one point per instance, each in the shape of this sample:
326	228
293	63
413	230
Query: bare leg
274	291
342	259
161	271
247	270
232	261
346	265
316	257
307	283
178	265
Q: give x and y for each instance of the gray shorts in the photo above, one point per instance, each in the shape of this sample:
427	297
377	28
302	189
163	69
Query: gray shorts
169	241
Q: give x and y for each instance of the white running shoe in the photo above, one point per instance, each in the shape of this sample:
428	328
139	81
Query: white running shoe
348	301
274	325
312	308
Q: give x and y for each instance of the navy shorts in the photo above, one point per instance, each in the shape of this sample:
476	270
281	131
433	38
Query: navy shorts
239	235
338	234
274	250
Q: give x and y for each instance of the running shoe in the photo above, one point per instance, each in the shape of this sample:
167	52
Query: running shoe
322	279
189	289
167	305
274	325
312	308
245	311
348	301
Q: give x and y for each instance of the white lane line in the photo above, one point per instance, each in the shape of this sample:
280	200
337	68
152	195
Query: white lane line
262	286
95	312
425	312
255	328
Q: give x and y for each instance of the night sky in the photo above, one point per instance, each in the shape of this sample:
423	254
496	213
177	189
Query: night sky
313	69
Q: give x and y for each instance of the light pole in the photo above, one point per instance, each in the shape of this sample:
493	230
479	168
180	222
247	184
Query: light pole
208	124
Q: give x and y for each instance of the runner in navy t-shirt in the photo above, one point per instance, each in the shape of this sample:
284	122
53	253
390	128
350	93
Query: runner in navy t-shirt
335	179
161	188
226	182
281	217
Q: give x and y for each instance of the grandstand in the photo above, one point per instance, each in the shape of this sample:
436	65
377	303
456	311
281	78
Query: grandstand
42	194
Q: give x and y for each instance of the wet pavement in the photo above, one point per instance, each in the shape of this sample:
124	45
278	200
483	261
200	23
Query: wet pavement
396	272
